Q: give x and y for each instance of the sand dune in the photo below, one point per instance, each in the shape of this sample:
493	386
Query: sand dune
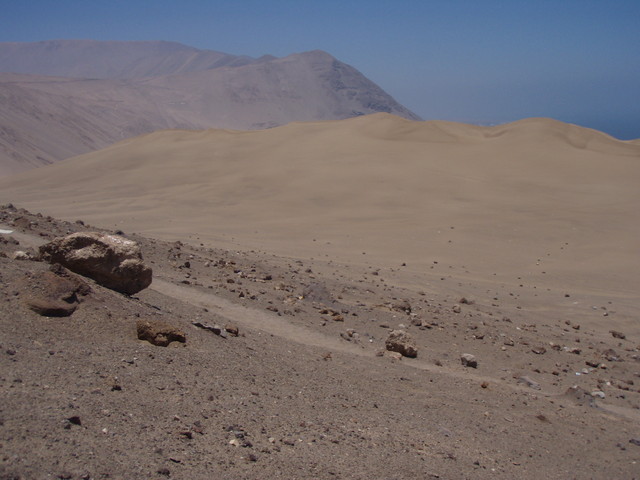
536	199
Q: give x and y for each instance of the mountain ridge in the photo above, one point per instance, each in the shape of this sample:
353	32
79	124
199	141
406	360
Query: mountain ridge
47	118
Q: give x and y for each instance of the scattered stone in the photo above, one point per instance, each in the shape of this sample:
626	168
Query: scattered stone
539	350
232	329
401	306
212	328
112	261
635	441
317	292
22	255
598	394
456	308
611	355
400	341
580	396
159	333
529	382
75	420
616	334
393	355
469	360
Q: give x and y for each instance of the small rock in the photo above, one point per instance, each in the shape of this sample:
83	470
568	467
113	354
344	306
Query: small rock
598	394
611	355
456	308
159	333
400	341
401	306
232	329
393	355
529	383
75	420
22	255
617	334
539	350
469	360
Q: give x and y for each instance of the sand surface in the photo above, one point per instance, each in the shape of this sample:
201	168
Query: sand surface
535	204
534	223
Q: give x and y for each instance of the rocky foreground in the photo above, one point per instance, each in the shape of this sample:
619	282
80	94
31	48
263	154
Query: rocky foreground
246	365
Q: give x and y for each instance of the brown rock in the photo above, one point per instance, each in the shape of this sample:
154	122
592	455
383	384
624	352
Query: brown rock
469	360
159	333
232	329
55	293
616	334
401	306
112	261
400	341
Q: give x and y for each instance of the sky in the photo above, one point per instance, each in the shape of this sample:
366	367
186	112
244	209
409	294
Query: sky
475	61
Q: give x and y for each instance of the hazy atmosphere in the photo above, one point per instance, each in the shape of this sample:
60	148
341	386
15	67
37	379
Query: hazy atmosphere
478	62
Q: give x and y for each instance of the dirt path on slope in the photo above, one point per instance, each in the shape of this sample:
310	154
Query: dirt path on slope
256	319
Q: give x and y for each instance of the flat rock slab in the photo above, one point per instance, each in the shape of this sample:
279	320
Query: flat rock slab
55	293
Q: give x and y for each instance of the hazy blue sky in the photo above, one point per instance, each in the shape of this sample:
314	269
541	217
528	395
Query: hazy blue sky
485	61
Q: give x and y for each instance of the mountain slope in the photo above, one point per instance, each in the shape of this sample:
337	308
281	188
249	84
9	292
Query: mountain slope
45	119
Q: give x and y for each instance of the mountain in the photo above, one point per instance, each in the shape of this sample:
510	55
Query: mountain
95	59
140	87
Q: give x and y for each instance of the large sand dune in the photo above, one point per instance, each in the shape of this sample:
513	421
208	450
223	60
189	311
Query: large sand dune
535	199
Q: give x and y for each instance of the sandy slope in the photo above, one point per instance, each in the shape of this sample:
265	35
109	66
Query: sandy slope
535	223
536	201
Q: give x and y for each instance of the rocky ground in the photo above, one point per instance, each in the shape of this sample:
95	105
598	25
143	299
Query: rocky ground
286	372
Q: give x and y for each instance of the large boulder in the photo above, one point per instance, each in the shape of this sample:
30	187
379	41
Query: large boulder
111	260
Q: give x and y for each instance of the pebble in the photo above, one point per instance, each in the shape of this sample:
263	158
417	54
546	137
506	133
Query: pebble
529	382
469	360
616	334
